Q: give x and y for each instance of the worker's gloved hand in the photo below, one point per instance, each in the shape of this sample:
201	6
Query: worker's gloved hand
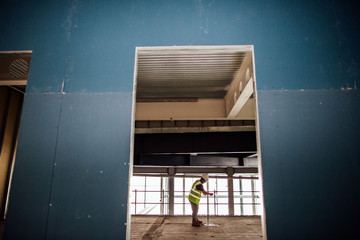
211	194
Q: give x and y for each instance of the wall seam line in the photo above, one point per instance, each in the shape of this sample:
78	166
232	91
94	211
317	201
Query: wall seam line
73	4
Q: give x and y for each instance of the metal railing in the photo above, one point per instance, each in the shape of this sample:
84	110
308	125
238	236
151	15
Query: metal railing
254	195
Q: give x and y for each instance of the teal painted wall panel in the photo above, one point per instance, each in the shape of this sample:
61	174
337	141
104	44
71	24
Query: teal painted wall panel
104	38
355	117
310	163
90	183
44	28
298	44
31	184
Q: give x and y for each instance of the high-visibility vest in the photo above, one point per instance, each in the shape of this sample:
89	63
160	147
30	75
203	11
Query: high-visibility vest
195	195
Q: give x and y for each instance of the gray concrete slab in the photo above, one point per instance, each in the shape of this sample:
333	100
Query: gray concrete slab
179	227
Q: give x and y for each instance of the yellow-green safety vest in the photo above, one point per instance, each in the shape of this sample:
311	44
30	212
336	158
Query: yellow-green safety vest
195	195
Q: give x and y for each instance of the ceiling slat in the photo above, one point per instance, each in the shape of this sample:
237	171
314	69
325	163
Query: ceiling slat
186	72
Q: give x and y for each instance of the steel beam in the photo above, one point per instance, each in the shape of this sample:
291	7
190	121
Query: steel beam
173	170
195	129
188	176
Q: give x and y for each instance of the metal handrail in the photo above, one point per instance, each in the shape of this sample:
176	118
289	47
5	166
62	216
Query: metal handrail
215	196
183	191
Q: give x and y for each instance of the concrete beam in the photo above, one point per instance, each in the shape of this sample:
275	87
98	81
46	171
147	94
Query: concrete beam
202	109
241	101
13	82
195	129
240	89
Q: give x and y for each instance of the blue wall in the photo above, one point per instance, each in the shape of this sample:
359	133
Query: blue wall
71	172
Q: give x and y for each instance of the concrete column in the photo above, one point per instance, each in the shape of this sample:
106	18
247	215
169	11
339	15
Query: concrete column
241	199
171	195
145	194
230	173
253	196
217	189
161	197
184	195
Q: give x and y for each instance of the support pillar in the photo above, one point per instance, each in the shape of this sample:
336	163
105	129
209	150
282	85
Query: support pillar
145	194
184	195
241	198
162	199
230	173
171	172
171	195
253	196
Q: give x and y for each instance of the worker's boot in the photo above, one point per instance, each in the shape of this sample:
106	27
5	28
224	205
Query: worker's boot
196	224
199	221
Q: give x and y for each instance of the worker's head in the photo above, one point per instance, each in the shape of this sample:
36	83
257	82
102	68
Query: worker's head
204	177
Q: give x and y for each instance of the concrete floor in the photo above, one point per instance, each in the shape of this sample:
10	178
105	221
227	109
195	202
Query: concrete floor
179	227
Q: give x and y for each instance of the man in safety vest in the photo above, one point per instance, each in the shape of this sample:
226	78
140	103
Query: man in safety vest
194	198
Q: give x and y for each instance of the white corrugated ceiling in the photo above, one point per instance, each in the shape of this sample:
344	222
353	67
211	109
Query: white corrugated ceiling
187	72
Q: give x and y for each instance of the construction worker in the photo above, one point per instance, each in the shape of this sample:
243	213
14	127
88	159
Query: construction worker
194	198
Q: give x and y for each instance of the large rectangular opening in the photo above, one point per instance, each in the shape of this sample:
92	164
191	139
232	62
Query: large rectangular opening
14	72
195	112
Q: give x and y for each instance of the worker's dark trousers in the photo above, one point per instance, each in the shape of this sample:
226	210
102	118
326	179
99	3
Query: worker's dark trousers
195	209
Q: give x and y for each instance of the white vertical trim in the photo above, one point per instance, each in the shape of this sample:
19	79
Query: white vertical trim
263	215
131	157
244	48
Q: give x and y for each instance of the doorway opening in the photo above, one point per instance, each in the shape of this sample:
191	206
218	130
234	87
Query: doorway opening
14	71
195	112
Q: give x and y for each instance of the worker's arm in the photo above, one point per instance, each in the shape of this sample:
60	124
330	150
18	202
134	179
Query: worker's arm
207	193
201	188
